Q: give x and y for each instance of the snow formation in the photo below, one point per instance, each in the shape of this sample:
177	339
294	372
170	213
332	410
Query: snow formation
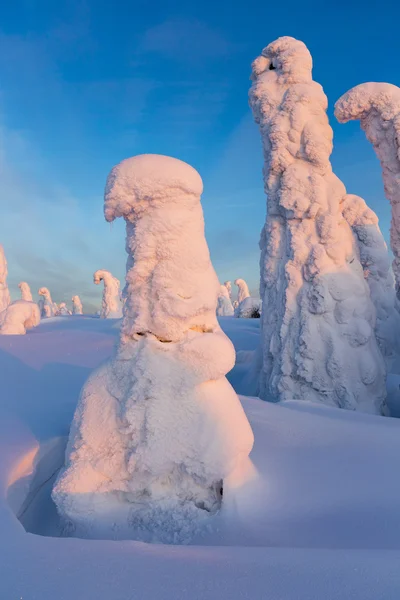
18	317
243	290
47	307
76	306
228	286
4	293
224	305
318	333
377	107
375	261
111	305
158	428
249	308
26	293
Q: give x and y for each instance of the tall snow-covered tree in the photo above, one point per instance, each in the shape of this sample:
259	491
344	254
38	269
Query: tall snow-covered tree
111	305
243	290
318	325
224	304
4	293
76	306
47	307
158	428
26	293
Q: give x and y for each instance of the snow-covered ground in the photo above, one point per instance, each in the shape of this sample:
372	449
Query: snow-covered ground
318	519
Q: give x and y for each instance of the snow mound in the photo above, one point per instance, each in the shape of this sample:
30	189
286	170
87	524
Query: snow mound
18	317
158	428
377	107
318	323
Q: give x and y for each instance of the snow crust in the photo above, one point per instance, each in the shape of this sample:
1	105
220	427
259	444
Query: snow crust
224	306
111	304
26	293
18	317
318	322
158	428
47	307
4	293
76	306
377	107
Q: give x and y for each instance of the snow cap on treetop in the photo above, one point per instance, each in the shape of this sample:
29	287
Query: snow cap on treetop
361	99
286	60
148	180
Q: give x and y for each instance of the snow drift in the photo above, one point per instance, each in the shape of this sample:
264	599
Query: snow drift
158	428
76	306
377	107
18	317
26	293
4	293
111	305
318	331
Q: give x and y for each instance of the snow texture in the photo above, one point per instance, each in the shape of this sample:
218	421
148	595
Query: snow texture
111	305
318	323
224	306
375	261
377	107
249	308
243	290
4	293
26	293
47	307
76	306
18	317
158	428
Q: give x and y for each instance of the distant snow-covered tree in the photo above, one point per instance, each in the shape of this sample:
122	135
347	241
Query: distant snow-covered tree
4	293
111	307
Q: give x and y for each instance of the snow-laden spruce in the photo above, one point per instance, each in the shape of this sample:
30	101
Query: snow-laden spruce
318	322
76	306
224	305
47	307
111	304
26	293
158	428
63	310
4	293
243	290
374	258
18	317
228	285
377	107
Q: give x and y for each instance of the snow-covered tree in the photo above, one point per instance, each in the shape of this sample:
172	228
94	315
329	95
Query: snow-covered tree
377	107
76	306
111	306
158	428
18	317
375	261
63	310
249	308
224	305
243	290
26	293
318	322
47	307
4	293
228	285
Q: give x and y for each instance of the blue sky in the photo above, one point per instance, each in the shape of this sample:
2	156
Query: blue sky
86	84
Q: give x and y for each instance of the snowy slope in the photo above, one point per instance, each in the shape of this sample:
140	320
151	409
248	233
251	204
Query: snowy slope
319	518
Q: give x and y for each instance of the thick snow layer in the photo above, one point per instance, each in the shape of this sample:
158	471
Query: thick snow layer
26	293
374	258
318	320
224	306
76	306
111	304
243	290
47	307
249	308
320	520
377	107
158	429
18	317
4	293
